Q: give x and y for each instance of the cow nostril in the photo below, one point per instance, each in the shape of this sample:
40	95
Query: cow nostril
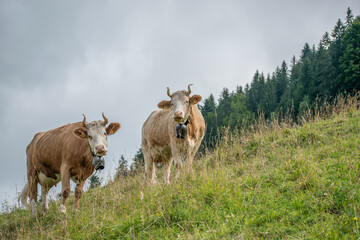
178	114
100	148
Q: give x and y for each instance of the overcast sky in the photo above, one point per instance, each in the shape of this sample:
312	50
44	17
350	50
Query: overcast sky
59	59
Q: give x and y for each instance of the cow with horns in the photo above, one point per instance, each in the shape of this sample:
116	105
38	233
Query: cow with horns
73	152
173	133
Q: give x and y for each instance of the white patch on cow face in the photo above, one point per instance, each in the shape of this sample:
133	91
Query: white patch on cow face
181	106
97	137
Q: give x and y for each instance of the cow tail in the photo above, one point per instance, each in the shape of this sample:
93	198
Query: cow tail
24	195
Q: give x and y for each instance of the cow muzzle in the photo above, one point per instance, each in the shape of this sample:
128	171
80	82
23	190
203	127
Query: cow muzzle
178	116
100	150
99	162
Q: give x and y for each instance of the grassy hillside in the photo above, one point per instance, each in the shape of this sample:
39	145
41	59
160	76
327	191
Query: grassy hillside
275	181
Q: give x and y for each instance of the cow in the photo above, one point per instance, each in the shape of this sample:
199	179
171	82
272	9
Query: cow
72	151
173	133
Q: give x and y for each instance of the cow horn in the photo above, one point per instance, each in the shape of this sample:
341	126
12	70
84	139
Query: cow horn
105	120
189	90
168	92
84	122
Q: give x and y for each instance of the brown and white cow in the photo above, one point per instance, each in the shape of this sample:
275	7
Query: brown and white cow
64	153
161	140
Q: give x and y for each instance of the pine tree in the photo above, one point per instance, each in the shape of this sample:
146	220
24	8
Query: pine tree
349	19
138	161
282	81
322	71
251	94
224	108
336	51
270	97
296	86
257	87
95	181
350	61
122	168
208	110
305	52
325	41
306	72
239	113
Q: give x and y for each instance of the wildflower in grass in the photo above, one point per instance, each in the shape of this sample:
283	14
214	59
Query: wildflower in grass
289	161
58	230
355	218
300	183
251	188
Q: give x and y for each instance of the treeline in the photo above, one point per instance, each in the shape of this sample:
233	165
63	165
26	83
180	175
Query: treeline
321	72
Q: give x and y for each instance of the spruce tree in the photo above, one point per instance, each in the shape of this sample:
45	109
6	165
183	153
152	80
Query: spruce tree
350	61
208	110
349	19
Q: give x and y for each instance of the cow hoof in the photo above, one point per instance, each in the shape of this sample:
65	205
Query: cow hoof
44	211
62	208
33	208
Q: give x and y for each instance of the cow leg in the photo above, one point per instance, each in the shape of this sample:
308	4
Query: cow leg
32	179
189	162
191	155
150	172
65	188
167	167
44	196
178	165
78	191
177	170
149	167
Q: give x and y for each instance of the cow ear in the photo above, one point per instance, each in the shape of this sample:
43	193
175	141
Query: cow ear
195	99
80	132
164	104
112	128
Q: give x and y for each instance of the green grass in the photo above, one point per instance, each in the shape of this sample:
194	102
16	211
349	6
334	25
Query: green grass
274	183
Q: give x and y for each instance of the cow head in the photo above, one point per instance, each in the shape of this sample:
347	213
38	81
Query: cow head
180	104
96	133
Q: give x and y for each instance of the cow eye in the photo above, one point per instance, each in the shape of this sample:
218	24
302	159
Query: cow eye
90	137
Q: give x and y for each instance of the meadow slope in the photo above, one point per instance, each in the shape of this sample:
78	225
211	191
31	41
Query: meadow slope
273	182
